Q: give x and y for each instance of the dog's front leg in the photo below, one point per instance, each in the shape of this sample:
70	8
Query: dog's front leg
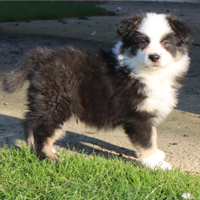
144	140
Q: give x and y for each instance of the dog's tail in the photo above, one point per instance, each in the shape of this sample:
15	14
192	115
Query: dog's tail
16	78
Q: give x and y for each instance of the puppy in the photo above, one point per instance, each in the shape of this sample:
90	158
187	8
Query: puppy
135	85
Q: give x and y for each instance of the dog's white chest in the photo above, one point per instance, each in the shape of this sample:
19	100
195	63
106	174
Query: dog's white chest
161	96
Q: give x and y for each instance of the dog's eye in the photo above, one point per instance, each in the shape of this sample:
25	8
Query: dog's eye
165	43
143	43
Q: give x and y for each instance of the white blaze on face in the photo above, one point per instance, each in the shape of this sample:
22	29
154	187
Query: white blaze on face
155	27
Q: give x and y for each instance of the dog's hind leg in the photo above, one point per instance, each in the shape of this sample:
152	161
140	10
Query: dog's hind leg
145	145
43	149
42	135
44	122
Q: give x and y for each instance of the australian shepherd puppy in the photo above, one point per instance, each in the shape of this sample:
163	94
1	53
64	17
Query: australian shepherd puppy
135	85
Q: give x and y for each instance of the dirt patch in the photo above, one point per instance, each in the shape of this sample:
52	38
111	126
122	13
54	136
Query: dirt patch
179	134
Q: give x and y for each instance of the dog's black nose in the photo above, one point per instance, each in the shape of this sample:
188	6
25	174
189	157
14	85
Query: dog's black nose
154	57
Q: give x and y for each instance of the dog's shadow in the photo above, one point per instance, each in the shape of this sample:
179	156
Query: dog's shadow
11	130
79	142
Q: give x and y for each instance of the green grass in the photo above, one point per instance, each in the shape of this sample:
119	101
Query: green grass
23	176
36	10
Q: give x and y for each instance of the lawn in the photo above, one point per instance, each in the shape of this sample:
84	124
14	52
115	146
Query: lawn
77	176
37	10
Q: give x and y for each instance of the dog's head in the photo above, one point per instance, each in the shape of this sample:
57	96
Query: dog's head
151	40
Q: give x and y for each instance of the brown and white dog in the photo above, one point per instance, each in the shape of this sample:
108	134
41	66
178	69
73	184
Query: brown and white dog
134	85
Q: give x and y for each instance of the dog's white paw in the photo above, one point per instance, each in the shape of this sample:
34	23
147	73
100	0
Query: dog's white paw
156	161
54	151
164	165
161	154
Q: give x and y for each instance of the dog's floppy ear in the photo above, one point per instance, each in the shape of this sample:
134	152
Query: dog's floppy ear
181	30
126	27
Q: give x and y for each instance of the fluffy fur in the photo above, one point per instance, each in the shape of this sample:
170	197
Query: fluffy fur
134	86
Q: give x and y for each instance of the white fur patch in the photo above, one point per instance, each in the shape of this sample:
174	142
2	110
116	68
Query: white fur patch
54	151
161	88
116	52
156	161
154	26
